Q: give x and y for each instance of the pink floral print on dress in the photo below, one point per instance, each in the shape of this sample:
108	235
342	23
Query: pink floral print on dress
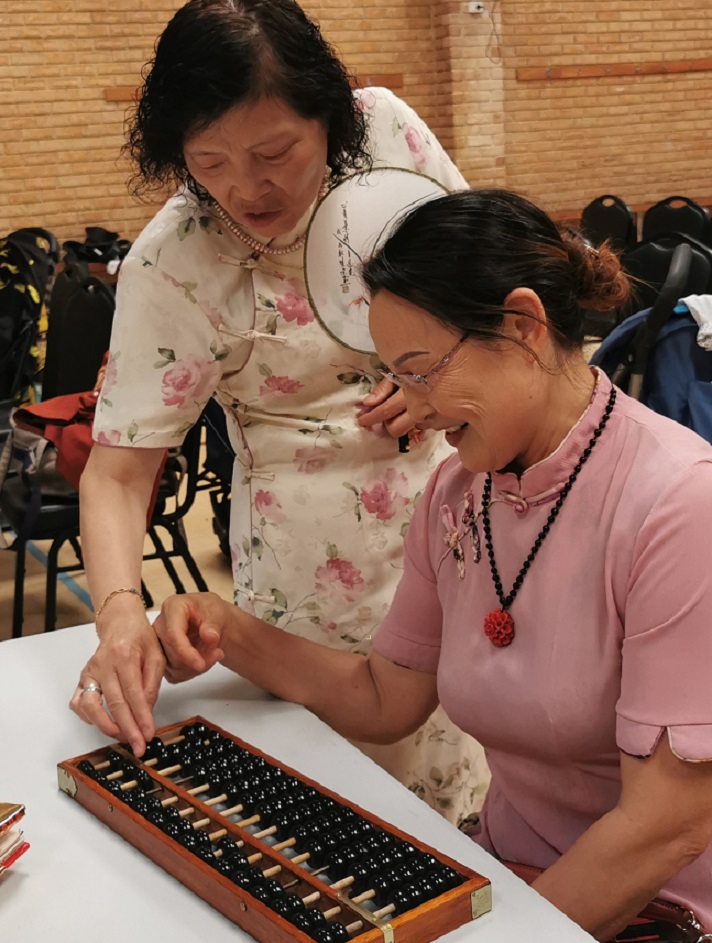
268	506
339	579
416	145
188	381
385	496
311	461
280	385
110	437
293	306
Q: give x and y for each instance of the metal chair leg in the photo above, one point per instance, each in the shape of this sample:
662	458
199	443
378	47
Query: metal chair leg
51	592
18	599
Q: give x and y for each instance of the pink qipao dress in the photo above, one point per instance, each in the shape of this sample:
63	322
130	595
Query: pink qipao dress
613	642
319	506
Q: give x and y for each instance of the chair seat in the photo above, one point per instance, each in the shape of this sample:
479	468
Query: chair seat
57	514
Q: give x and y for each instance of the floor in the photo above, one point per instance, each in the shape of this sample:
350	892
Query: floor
72	597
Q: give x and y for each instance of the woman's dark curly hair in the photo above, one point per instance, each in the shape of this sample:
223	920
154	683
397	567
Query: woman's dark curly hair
216	54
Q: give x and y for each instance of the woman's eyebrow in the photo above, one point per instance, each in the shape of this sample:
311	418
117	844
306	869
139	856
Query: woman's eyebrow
411	353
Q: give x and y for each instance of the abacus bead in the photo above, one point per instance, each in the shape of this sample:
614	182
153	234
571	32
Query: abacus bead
427	887
154	748
207	854
338	864
144	805
406	898
248	879
116	759
114	787
86	767
172	829
284	823
303	833
134	797
263	894
226	845
317	852
327	934
362	872
223	866
315	918
283	906
382	884
191	841
302	921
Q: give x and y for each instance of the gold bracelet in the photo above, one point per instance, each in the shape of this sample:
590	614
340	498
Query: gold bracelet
128	589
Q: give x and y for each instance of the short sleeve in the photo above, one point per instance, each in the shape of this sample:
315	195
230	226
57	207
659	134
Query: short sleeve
403	139
667	650
165	355
410	634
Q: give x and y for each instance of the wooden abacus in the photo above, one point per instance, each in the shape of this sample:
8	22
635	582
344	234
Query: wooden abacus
273	851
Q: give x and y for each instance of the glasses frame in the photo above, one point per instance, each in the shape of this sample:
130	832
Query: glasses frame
414	380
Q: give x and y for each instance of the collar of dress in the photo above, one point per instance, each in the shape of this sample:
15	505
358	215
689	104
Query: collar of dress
543	481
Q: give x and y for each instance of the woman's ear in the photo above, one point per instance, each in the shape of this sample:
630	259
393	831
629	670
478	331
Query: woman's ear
527	319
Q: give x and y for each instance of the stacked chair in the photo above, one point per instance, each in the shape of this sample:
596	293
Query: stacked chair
81	310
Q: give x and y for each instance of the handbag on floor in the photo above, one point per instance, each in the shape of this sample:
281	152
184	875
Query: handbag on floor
660	922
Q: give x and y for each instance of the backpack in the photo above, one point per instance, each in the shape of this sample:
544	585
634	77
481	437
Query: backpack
27	261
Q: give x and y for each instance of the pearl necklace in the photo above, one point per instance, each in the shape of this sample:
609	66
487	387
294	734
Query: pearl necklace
263	248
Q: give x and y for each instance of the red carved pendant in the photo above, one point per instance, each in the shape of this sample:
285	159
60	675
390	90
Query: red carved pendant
499	628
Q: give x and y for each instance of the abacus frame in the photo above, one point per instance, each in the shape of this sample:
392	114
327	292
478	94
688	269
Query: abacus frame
422	924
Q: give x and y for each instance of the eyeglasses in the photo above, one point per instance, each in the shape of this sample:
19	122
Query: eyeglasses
415	379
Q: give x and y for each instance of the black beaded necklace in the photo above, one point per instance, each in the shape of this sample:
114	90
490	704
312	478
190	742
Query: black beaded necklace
499	625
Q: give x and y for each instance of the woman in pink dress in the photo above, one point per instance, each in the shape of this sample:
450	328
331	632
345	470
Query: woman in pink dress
557	588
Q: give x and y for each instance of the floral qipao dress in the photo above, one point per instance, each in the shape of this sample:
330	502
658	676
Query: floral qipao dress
319	505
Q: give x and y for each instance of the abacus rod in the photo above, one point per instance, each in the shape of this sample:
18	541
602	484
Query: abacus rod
383	912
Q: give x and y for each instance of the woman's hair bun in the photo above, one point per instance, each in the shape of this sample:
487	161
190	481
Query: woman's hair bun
600	284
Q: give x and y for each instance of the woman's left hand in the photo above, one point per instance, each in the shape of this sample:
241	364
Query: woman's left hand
190	629
384	411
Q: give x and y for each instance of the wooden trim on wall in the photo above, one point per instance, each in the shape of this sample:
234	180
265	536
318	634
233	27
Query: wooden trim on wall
616	69
127	93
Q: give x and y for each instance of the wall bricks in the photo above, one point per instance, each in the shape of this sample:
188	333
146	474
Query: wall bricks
563	142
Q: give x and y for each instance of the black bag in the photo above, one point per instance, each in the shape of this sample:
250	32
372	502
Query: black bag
81	312
27	261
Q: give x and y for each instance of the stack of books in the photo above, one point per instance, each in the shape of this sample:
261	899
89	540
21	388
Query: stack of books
12	842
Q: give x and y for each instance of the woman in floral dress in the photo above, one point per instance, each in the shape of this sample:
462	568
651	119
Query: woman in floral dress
211	300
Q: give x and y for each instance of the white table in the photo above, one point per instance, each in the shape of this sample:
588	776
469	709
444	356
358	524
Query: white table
80	881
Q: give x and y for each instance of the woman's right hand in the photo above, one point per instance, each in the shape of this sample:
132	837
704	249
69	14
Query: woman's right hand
127	666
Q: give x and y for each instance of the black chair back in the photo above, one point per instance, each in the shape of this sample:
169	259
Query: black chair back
609	218
81	313
677	214
649	263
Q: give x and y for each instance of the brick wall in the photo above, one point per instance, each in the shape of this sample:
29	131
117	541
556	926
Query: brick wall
642	137
563	141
